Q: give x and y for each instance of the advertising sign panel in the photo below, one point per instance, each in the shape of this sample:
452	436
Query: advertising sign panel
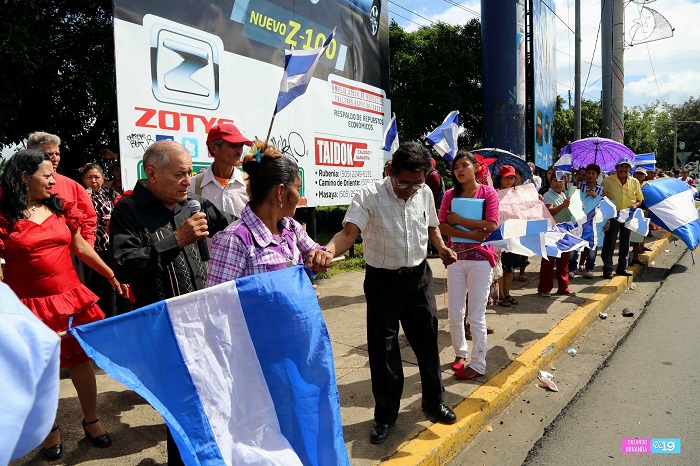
183	67
544	42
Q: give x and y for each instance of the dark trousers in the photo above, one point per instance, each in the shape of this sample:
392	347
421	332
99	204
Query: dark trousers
101	286
609	246
174	458
408	299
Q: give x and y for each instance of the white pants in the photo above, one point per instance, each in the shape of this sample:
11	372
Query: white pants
474	277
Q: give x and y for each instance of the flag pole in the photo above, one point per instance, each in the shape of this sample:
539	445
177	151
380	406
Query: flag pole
269	131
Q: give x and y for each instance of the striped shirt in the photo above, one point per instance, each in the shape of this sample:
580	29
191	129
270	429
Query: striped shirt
247	247
103	201
583	187
394	231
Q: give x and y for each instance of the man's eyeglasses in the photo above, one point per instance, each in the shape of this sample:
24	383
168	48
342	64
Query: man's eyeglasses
404	185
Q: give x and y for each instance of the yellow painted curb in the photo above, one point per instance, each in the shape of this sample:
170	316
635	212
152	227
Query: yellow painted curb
439	443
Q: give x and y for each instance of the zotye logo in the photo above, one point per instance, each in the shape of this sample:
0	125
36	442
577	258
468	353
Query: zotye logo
334	153
172	121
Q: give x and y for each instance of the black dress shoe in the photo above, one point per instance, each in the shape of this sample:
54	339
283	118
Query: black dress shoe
102	441
439	413
379	433
607	274
55	452
624	273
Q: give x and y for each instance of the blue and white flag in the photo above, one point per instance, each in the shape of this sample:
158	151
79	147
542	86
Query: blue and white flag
645	161
589	228
242	372
444	137
634	220
558	240
524	237
391	136
672	207
299	66
563	165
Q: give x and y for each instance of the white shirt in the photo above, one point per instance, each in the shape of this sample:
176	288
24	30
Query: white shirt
394	231
29	360
231	198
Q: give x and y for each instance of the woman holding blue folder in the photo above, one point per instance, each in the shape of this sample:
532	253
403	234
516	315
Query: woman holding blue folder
468	213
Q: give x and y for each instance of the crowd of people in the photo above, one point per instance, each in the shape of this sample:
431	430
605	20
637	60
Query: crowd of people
175	234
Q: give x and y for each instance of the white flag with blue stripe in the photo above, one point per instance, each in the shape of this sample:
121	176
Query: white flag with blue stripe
299	66
634	220
672	207
391	136
242	372
524	237
444	137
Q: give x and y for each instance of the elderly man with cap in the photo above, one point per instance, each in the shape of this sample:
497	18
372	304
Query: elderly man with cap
625	191
223	184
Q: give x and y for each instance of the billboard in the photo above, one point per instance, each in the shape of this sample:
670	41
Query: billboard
183	67
544	69
503	74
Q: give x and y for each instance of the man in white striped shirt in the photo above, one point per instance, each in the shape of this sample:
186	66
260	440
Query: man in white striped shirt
396	217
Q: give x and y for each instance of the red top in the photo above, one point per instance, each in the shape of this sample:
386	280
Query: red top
40	271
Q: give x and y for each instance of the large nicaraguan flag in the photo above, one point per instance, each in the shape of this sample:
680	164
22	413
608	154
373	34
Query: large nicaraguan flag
242	372
391	136
672	207
444	137
299	66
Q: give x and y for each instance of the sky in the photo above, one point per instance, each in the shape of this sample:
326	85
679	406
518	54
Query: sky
667	70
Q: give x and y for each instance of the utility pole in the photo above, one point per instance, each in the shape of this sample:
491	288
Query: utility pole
577	73
675	143
617	115
606	64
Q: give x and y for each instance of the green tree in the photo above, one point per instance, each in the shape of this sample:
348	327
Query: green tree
435	70
591	122
57	58
639	128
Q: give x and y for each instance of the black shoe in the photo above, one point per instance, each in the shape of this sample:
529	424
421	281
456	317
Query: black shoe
439	413
607	274
55	452
379	433
624	273
103	441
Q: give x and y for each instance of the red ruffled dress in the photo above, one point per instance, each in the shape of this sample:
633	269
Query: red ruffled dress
40	271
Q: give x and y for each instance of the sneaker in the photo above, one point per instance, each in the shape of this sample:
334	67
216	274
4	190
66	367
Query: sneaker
589	274
544	294
571	275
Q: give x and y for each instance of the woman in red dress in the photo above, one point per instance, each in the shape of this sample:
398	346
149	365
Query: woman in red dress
37	234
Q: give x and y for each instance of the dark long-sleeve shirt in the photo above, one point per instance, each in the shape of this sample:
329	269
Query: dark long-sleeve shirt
146	253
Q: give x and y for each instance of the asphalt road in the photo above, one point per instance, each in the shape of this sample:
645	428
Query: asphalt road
649	388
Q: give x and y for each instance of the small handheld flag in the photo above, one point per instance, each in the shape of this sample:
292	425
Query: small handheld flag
299	66
391	136
444	137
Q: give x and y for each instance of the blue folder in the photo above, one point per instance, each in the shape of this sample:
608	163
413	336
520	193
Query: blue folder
468	208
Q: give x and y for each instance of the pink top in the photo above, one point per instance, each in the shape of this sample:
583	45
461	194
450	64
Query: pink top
490	197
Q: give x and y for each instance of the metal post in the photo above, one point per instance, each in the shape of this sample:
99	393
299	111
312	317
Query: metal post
617	113
606	64
675	143
577	74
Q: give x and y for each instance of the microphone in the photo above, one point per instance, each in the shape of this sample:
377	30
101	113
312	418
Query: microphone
194	206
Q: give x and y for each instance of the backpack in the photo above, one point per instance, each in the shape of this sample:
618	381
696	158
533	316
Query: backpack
441	193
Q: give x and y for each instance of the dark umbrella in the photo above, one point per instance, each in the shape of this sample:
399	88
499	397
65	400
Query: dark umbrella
503	157
603	152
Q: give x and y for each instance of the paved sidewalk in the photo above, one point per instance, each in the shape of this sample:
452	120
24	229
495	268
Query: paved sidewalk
526	336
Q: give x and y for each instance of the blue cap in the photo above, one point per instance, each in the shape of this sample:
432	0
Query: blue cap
626	160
